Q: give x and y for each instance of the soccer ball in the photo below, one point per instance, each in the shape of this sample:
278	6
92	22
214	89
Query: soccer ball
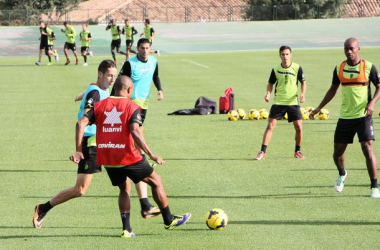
323	114
309	109
216	219
253	114
233	115
241	113
263	114
305	115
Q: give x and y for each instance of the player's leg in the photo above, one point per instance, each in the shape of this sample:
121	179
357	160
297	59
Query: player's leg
74	49
159	195
84	54
112	52
65	51
38	63
124	208
48	55
298	138
366	137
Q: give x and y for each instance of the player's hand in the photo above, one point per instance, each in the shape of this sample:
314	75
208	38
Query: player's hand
313	113
62	30
160	95
157	159
302	99
79	97
267	97
76	157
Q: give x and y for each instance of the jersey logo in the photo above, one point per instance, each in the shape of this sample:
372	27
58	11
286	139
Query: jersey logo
113	117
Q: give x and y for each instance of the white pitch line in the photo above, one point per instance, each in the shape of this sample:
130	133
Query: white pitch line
198	64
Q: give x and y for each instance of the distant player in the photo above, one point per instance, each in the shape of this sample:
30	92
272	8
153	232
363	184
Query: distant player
85	38
358	106
118	122
70	34
129	31
46	43
149	33
285	78
116	40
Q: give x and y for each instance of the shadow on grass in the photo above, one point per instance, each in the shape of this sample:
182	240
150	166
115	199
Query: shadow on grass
306	222
329	186
327	169
67	236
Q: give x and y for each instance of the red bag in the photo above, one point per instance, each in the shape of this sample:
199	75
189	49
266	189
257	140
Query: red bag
226	102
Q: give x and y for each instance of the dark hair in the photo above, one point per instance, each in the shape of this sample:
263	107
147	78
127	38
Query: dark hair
64	23
142	40
126	20
284	47
147	21
106	64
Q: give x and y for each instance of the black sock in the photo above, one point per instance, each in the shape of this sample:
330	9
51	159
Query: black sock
264	148
113	55
298	148
125	219
342	172
44	208
145	205
49	58
85	58
167	215
373	183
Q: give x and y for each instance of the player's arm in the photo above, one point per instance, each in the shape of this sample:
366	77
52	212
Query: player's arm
135	124
331	92
157	83
301	78
152	33
118	31
271	82
87	118
108	26
134	31
374	78
89	37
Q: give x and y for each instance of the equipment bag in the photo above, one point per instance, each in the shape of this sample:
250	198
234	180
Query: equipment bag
226	102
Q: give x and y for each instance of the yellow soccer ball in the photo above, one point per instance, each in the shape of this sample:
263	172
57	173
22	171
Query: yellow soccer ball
253	114
309	109
324	114
233	115
305	115
241	113
263	114
216	219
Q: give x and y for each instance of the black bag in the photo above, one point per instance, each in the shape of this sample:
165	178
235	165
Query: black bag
203	106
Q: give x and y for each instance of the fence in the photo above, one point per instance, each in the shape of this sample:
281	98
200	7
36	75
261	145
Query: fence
192	14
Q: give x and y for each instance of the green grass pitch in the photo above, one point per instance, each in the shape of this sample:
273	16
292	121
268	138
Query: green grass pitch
278	203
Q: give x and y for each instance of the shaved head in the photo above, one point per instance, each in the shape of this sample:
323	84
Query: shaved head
122	83
351	41
351	50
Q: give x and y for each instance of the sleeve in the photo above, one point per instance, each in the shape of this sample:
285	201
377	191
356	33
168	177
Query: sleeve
335	79
90	115
123	31
156	79
151	31
374	76
91	98
272	77
89	35
301	75
134	31
118	29
136	117
126	70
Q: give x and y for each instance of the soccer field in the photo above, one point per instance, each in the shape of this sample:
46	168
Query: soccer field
278	203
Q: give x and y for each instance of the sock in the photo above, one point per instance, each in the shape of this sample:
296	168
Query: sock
85	58
298	148
125	219
145	205
373	183
264	148
113	55
167	215
49	58
44	208
88	53
342	172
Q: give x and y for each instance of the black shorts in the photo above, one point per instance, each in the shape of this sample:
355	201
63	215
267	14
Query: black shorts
43	45
116	43
136	172
278	112
88	164
47	48
129	43
347	128
84	48
70	46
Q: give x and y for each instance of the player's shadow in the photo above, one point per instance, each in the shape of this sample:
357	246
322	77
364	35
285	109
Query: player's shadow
326	169
306	222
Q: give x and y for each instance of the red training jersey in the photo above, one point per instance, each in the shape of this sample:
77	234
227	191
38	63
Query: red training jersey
115	145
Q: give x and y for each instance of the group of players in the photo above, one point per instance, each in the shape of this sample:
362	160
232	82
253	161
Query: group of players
47	40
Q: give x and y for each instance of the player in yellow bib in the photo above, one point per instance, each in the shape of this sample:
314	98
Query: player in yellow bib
149	33
70	34
116	40
285	77
358	105
129	31
85	38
